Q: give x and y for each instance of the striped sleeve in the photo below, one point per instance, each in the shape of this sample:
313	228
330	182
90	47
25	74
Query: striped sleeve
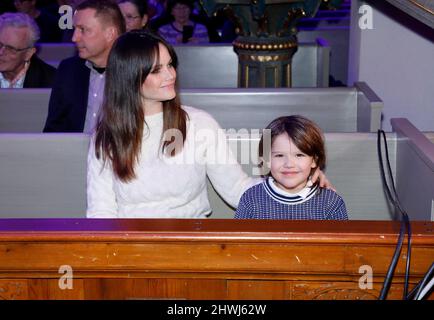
337	209
244	209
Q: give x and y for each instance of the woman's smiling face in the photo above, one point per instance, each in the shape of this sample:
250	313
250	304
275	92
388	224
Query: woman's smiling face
159	85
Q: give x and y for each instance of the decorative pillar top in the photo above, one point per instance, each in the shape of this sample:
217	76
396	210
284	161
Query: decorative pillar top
263	18
266	39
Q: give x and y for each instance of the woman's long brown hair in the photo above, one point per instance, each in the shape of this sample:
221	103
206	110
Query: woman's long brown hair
118	136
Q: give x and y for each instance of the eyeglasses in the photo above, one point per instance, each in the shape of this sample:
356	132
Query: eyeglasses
11	50
131	17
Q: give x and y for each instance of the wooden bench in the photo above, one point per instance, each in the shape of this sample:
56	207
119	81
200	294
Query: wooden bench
44	175
205	259
356	109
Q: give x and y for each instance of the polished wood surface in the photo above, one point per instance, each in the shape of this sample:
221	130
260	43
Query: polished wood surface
204	259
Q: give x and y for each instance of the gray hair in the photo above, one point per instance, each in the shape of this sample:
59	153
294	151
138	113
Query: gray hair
21	20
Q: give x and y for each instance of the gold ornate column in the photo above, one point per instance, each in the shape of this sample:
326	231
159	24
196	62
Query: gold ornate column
266	38
264	65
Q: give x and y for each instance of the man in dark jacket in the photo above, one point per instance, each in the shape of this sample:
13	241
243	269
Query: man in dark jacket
19	66
78	91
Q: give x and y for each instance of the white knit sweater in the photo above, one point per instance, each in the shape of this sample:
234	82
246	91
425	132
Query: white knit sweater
169	187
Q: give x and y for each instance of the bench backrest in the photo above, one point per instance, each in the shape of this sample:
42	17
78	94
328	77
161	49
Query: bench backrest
44	175
355	109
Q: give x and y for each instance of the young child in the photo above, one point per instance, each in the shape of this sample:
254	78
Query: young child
297	148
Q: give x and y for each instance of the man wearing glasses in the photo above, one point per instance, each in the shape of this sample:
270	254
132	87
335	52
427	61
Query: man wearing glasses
19	66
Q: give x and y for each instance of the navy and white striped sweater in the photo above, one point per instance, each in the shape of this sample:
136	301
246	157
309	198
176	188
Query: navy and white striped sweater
262	201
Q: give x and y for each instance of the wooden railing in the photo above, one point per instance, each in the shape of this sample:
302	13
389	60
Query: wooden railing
204	259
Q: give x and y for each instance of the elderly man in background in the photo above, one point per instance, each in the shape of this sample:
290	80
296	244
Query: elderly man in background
19	65
79	86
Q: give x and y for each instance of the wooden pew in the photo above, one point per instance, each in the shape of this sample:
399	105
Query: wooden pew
415	185
44	175
205	259
356	109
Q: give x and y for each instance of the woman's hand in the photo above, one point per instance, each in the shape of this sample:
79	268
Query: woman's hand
323	181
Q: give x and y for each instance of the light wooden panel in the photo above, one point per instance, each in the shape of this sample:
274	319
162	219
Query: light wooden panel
204	259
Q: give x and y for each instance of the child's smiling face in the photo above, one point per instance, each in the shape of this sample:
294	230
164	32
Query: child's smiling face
290	167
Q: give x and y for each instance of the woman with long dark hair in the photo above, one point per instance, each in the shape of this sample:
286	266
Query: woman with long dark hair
150	156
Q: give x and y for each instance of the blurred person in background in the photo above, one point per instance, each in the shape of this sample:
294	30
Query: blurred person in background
135	13
197	15
47	23
182	29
